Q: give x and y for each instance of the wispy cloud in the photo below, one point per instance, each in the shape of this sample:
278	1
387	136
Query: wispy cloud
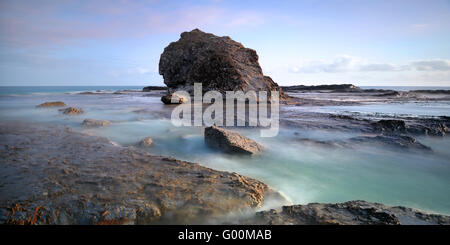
346	63
55	22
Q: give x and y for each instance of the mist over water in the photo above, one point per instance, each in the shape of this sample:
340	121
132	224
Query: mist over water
302	172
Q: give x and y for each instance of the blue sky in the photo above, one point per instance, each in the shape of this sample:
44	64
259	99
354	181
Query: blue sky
73	42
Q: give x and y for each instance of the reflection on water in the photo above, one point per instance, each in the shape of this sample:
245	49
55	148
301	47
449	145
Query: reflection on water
304	173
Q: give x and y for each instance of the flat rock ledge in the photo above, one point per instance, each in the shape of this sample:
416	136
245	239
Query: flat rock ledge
51	175
52	104
230	142
347	213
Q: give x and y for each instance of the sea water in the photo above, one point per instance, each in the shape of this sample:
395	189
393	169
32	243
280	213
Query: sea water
303	173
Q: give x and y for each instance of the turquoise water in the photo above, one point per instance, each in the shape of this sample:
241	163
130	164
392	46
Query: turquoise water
413	109
303	173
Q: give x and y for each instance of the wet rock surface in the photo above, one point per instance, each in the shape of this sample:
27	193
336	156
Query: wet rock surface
219	63
51	175
347	213
52	104
146	142
173	98
230	142
71	111
95	123
397	141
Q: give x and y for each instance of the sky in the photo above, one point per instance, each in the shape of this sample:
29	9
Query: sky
366	43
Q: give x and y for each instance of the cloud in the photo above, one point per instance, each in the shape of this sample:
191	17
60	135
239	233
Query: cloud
61	22
378	67
348	63
431	65
342	63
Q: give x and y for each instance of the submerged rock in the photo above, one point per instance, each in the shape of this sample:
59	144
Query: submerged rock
173	98
230	142
95	122
72	178
399	141
146	142
52	104
71	111
390	126
219	63
347	213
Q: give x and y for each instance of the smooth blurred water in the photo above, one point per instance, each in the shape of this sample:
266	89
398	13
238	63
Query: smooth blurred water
304	173
412	109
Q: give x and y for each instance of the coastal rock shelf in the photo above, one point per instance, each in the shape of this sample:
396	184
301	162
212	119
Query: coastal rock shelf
348	213
51	175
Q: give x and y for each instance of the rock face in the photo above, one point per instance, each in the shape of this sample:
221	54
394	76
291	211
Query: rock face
230	142
146	142
348	213
95	123
52	104
71	111
52	175
219	63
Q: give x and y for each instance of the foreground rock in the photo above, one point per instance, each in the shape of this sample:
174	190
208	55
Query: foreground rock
71	111
219	63
52	104
95	122
230	142
173	98
146	142
51	175
348	213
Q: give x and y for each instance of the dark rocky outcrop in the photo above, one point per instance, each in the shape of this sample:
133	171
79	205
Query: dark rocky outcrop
71	111
347	213
230	142
95	122
332	87
52	104
219	63
390	126
153	88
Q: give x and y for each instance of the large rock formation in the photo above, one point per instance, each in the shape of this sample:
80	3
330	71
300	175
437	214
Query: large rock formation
219	63
230	142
